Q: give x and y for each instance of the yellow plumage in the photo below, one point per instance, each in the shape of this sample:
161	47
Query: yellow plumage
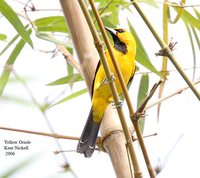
101	92
124	50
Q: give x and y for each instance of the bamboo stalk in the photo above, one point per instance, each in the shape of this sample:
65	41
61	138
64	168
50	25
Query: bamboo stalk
165	59
87	53
164	46
125	91
82	39
116	98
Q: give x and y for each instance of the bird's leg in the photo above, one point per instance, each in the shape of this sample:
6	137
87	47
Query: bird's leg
108	80
118	105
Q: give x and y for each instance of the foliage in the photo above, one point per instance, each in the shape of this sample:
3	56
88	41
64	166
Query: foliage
47	28
50	28
12	17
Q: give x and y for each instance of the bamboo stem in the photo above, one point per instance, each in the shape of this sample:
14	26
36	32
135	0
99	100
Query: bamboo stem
116	98
169	53
88	56
125	91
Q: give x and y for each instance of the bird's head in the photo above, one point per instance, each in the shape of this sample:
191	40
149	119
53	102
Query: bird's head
121	38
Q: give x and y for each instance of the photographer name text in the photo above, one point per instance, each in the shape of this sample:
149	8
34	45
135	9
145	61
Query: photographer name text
12	146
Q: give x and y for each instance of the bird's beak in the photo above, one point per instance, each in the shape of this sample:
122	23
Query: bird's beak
111	31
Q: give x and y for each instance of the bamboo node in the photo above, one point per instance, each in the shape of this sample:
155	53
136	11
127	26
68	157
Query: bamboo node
138	174
101	140
133	1
99	44
8	67
128	142
167	50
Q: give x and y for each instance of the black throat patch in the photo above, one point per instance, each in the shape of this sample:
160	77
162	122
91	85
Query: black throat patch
120	46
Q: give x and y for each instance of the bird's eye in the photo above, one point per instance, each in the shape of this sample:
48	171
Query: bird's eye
120	30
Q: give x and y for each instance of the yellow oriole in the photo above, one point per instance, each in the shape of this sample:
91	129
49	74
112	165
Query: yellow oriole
124	50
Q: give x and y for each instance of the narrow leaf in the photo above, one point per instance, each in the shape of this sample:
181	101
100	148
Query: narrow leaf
150	2
193	48
197	13
11	16
9	44
3	37
188	18
67	80
141	55
142	94
9	63
51	24
50	38
17	100
196	37
180	12
72	96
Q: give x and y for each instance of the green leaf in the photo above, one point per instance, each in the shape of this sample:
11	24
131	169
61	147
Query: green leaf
193	48
9	44
196	36
9	63
72	96
188	18
141	55
180	11
67	80
11	16
107	22
3	37
51	24
17	100
142	94
197	13
149	2
50	38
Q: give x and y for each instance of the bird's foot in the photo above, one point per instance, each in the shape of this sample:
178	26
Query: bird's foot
118	105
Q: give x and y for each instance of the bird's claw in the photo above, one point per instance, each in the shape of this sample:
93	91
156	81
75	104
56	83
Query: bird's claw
118	105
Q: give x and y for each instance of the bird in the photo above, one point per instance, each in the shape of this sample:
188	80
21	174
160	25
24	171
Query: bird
124	49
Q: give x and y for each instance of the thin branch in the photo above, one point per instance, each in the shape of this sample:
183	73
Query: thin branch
167	71
69	58
179	91
25	10
173	4
54	135
140	110
60	136
39	10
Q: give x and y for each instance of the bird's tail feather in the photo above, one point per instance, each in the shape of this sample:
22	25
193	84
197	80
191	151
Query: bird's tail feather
88	138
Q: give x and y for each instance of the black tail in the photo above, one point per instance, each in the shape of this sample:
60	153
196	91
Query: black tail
88	138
